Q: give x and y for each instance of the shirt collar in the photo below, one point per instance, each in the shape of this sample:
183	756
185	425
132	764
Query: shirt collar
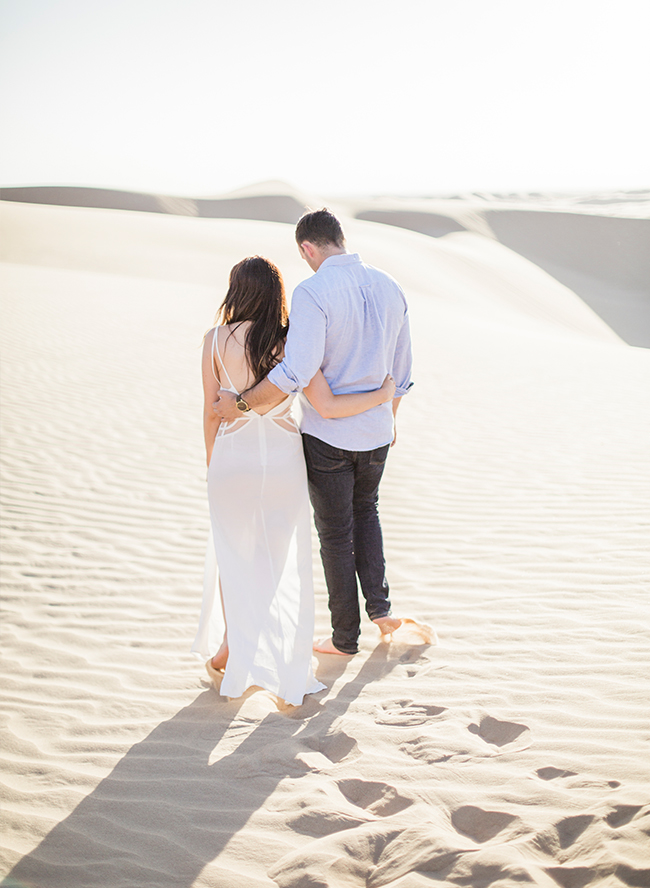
341	259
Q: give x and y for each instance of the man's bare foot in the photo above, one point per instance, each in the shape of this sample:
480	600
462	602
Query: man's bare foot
387	625
221	657
326	646
414	632
407	631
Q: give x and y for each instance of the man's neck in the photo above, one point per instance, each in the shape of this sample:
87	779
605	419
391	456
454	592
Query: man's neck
328	251
333	251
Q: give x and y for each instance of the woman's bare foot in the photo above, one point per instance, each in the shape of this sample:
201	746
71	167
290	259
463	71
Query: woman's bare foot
387	625
216	677
326	646
221	657
388	387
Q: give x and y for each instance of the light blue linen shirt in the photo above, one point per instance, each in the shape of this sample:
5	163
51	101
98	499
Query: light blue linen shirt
351	321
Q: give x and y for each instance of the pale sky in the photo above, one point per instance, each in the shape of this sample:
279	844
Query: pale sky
198	97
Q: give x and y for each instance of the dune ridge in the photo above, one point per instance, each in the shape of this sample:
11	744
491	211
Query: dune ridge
272	207
515	513
596	245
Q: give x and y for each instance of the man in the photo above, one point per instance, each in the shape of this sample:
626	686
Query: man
351	321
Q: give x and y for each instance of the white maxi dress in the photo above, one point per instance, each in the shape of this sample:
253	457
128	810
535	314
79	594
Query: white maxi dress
260	548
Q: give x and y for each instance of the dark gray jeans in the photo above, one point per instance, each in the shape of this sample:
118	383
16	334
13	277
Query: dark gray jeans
344	491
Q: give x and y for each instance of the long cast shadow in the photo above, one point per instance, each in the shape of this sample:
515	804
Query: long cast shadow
164	812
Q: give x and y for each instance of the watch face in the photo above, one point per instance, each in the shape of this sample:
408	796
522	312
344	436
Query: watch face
242	405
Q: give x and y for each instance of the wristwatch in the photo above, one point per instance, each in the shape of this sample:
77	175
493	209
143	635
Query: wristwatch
242	405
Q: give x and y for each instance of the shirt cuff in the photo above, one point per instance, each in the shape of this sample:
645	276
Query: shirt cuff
400	391
283	379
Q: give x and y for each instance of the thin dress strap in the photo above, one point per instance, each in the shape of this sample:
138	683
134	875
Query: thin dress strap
221	363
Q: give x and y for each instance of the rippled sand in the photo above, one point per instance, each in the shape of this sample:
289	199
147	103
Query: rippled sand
516	519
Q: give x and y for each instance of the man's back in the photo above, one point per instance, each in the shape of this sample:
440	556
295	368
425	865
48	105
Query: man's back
351	320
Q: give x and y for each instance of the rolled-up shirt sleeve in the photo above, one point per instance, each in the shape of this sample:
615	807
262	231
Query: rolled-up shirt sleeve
403	360
305	346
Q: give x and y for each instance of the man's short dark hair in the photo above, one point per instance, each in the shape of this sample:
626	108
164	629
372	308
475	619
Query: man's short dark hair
321	228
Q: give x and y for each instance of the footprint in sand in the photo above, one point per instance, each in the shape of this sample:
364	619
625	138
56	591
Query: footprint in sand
606	872
551	773
569	840
313	753
336	745
499	733
481	825
407	713
413	662
622	814
373	855
320	821
577	876
430	753
556	841
380	799
322	811
333	807
455	746
570	829
414	657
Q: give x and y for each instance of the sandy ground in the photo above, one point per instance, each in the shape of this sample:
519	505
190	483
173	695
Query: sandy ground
516	517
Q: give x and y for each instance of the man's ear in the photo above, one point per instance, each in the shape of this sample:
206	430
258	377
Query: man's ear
307	249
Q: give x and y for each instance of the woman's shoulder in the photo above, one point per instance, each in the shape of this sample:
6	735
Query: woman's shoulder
208	339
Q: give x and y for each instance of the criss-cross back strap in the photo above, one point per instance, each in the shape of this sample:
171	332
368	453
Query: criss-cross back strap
221	363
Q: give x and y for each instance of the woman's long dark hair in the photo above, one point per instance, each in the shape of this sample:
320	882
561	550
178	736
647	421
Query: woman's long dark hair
256	293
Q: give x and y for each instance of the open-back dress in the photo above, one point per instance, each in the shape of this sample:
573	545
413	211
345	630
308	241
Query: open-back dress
260	548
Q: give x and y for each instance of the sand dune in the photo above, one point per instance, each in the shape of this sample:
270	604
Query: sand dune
466	272
604	259
515	511
433	224
271	207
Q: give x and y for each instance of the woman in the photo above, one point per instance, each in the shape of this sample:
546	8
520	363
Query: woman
259	611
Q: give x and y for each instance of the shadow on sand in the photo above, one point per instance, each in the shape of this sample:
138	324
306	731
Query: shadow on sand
165	812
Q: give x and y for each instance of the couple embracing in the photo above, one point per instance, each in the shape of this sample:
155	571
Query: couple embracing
348	334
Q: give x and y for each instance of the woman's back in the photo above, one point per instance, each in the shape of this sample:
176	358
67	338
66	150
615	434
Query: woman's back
230	351
232	370
229	354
